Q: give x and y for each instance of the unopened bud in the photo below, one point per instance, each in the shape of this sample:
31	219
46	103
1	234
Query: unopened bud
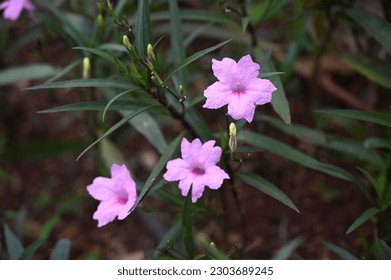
126	42
212	245
233	142
180	89
157	80
101	20
150	53
86	68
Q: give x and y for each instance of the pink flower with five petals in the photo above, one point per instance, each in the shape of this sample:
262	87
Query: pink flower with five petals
117	195
197	167
239	87
13	8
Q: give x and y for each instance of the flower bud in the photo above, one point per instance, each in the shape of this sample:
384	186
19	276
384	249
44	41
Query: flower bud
150	53
101	20
86	68
126	42
233	142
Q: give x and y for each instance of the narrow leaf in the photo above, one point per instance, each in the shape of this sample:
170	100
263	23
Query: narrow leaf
143	27
378	118
279	102
84	83
344	254
267	188
178	54
14	246
287	152
29	252
376	143
193	58
288	249
363	218
329	141
61	73
112	100
26	73
172	234
166	156
188	225
376	26
116	126
100	53
374	69
61	250
97	106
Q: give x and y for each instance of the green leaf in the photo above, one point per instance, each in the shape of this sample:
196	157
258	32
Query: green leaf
97	106
14	246
116	126
112	100
110	153
99	83
378	118
172	234
98	52
344	254
377	143
279	102
287	250
245	21
374	69
193	58
197	15
26	73
147	126
363	218
382	250
250	149
61	73
178	54
29	252
188	225
166	156
376	26
143	28
287	152
61	250
268	188
329	141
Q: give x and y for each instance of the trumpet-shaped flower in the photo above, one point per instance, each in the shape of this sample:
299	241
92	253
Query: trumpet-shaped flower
239	87
197	167
117	195
13	8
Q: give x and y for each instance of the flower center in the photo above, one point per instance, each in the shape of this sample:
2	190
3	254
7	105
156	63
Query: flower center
198	171
121	200
238	88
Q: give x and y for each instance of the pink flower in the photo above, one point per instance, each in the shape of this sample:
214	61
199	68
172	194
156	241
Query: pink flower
117	195
197	167
13	8
239	87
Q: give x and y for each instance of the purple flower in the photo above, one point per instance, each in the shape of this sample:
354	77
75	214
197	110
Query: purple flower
13	8
239	87
197	167
117	195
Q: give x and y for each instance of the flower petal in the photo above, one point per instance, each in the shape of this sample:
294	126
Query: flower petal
107	211
260	90
101	188
177	169
209	155
247	69
241	106
198	188
184	184
214	177
217	95
223	69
